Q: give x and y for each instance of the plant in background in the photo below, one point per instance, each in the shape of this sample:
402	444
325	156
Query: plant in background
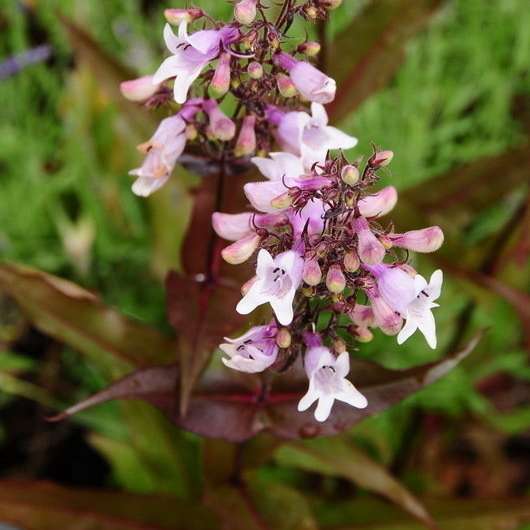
329	269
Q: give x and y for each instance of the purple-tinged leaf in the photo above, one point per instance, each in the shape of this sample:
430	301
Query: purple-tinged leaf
79	318
369	51
234	406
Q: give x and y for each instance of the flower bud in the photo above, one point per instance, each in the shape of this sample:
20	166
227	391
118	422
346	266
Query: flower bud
139	89
380	159
241	250
312	274
379	203
176	16
339	346
255	70
221	78
191	132
221	127
370	250
286	86
310	12
385	317
247	285
363	334
245	11
308	292
335	280
424	240
283	338
282	201
330	4
351	261
309	48
362	315
350	175
246	141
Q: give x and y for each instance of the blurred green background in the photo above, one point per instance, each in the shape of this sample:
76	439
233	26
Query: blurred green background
459	98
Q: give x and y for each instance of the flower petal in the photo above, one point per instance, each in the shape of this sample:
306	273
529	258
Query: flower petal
323	410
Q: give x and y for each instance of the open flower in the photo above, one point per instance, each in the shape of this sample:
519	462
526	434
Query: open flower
418	313
162	152
277	280
254	351
327	382
309	136
411	297
191	53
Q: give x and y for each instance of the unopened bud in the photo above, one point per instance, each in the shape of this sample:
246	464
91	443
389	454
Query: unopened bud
139	89
339	346
221	78
330	4
335	280
286	86
380	159
176	16
221	127
255	70
191	132
247	285
282	201
283	338
241	250
309	48
312	274
351	261
350	175
245	11
363	334
246	141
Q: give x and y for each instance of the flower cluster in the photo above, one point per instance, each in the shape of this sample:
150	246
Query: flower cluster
328	268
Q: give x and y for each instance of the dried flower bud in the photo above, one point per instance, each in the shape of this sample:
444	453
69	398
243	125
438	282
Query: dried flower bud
282	201
139	89
308	292
309	48
286	86
247	42
351	261
191	132
241	250
330	4
221	78
386	242
176	16
350	175
246	141
311	12
221	127
245	11
312	274
335	280
255	70
380	159
283	338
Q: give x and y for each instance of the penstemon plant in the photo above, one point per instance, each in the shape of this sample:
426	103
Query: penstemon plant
328	268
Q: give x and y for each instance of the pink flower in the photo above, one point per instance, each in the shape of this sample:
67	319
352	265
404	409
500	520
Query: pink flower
309	136
220	82
327	382
379	203
246	141
369	248
191	53
221	127
254	351
139	89
245	11
425	240
385	317
276	283
308	80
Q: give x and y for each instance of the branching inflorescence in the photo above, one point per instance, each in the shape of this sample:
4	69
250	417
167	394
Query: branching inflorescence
329	269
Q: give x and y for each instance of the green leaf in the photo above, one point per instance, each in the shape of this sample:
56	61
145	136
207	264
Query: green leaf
371	49
77	317
340	458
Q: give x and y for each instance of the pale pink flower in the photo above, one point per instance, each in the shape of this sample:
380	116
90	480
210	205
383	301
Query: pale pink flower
139	89
379	203
369	248
276	283
385	317
191	53
424	240
245	11
254	351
